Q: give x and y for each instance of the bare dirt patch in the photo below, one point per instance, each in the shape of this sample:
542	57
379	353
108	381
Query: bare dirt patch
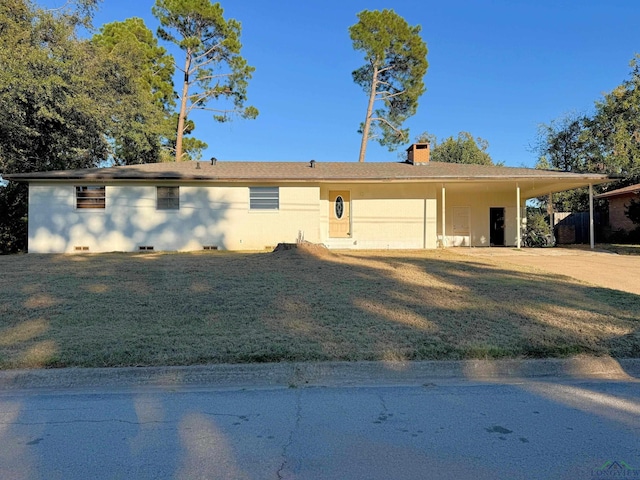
303	249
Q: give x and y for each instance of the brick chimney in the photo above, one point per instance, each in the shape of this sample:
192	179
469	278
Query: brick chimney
418	154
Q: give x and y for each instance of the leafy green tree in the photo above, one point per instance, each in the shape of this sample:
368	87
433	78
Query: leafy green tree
132	40
616	127
607	141
13	218
463	149
48	115
47	89
213	67
141	73
426	137
64	103
566	144
191	147
396	63
76	12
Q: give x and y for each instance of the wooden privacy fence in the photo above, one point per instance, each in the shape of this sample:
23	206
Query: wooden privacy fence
573	227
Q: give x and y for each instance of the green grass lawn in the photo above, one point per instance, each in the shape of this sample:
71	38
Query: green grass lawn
298	305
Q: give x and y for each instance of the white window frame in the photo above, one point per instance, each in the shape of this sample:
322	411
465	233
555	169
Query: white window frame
264	198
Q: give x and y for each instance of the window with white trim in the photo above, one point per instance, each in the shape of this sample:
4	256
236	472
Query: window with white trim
168	198
90	196
264	198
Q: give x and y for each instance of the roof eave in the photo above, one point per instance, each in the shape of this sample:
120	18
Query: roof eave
448	178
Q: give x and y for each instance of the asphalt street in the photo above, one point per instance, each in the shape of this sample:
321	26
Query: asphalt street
532	428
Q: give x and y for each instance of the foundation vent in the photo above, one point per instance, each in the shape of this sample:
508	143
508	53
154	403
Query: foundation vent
145	248
81	248
210	247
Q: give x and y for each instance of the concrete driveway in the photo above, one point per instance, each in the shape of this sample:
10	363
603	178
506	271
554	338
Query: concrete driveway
597	267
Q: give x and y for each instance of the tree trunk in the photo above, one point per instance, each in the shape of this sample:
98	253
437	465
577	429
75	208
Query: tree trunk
367	120
182	116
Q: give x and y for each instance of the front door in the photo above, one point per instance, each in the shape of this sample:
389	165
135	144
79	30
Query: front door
339	214
496	227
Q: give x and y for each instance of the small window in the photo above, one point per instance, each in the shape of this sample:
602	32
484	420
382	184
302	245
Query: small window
264	198
339	207
168	198
90	197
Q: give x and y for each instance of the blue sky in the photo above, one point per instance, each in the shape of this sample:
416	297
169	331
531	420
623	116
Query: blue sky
497	69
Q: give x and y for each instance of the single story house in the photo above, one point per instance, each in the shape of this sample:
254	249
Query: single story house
256	205
619	200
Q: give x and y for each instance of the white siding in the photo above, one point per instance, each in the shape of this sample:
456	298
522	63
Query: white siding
479	204
391	216
208	216
383	216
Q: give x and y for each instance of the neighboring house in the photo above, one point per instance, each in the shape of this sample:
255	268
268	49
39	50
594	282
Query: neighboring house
619	200
256	205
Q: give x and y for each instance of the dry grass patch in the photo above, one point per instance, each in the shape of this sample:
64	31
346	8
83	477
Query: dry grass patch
622	249
296	305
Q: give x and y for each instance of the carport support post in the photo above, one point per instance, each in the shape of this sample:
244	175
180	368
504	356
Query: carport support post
591	228
550	212
444	243
518	219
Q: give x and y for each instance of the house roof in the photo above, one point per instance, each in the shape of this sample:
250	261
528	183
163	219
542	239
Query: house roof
457	177
303	172
630	190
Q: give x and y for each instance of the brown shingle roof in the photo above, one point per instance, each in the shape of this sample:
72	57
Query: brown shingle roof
301	171
632	189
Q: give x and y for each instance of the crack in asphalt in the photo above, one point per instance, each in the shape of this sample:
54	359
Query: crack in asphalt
286	446
69	422
383	403
233	415
384	414
244	418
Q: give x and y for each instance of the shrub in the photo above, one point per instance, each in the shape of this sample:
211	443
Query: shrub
538	222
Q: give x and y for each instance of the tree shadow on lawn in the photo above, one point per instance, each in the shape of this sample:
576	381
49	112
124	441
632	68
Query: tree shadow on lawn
408	307
180	309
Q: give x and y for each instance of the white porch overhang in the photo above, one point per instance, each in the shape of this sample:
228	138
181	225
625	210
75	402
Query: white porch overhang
522	189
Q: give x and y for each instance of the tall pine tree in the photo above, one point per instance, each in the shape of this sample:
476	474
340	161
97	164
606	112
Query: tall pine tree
395	65
213	68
